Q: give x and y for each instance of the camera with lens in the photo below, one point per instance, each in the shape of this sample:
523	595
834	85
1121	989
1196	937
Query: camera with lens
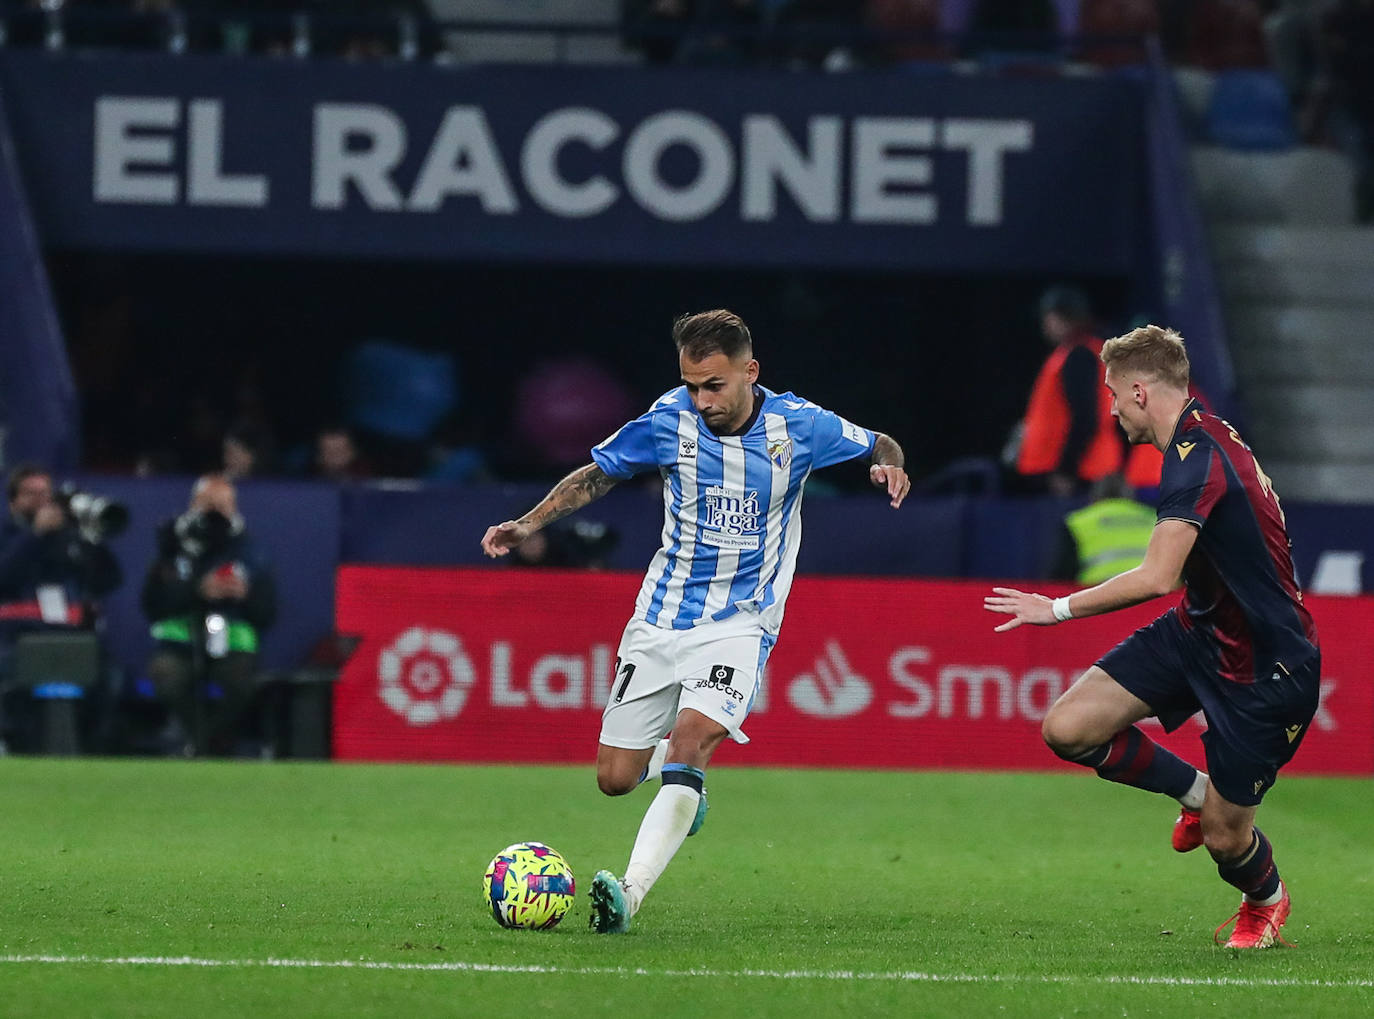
197	533
97	516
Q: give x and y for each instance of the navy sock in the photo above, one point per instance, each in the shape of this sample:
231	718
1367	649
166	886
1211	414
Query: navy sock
1253	872
684	774
1132	758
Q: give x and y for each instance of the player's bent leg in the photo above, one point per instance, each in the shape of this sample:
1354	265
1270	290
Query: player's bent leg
1227	828
1090	713
618	770
674	810
1093	724
1245	860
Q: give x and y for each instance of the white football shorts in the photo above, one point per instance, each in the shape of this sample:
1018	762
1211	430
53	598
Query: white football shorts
713	668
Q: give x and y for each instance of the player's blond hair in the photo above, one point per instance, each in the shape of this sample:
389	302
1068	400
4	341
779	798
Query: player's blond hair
1152	351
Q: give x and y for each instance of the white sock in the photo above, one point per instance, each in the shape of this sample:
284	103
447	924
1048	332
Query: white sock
1278	894
655	768
661	833
1196	793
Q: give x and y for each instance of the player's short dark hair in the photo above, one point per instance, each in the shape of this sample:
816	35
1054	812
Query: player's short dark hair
703	333
21	473
1150	350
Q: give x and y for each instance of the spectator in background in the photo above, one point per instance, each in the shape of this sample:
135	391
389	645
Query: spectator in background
209	595
1106	537
337	457
247	452
1068	438
456	453
54	567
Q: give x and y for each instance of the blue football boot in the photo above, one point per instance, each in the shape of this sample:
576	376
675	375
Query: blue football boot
610	908
700	819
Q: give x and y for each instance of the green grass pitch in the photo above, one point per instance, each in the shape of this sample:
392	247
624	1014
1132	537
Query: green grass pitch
160	888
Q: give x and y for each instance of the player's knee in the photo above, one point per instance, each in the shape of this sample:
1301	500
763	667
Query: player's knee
1063	736
1225	843
614	783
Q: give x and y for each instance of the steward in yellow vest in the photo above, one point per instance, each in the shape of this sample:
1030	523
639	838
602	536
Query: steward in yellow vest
1110	537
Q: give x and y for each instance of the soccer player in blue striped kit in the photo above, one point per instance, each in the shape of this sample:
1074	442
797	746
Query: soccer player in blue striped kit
734	458
1240	645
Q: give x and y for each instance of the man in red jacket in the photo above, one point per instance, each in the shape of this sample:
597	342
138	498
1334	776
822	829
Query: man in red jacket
1069	439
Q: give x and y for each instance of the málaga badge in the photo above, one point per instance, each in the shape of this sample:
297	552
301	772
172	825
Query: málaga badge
780	452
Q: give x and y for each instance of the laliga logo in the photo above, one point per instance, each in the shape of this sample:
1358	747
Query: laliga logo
835	691
425	676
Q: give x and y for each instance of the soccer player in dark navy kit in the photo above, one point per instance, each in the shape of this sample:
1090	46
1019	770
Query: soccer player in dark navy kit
1240	645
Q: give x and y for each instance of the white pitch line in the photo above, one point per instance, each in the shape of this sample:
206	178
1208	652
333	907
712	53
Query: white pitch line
896	976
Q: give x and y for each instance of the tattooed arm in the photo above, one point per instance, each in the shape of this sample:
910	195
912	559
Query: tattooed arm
888	468
582	486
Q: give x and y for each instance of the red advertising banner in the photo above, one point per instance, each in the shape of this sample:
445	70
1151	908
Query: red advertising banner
508	665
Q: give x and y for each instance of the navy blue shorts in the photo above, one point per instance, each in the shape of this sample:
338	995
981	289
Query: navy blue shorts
1253	729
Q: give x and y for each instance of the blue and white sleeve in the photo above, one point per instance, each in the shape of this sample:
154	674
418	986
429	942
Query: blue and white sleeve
630	450
835	440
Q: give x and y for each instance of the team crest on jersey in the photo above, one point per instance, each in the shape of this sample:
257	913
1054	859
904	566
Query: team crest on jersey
780	452
686	449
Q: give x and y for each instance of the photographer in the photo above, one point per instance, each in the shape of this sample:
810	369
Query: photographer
53	567
209	595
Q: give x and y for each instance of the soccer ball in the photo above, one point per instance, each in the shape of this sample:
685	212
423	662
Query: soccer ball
528	885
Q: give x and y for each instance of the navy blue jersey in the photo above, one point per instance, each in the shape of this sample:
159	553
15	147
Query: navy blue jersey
1239	584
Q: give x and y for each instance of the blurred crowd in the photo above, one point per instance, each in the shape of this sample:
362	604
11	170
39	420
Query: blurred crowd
831	33
352	29
394	412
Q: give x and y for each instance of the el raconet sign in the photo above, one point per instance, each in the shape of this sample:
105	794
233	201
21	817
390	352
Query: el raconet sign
704	167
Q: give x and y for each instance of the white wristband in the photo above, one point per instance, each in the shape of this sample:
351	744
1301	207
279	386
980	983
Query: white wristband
1060	608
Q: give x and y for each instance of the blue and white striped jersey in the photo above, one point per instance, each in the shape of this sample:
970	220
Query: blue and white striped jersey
732	504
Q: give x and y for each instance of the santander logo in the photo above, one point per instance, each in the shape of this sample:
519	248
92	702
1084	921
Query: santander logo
832	689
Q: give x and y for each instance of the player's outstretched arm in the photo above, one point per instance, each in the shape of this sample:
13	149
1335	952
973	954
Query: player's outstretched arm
584	485
888	468
1160	573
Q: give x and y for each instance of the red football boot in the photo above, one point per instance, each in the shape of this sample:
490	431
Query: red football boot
1257	926
1187	831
